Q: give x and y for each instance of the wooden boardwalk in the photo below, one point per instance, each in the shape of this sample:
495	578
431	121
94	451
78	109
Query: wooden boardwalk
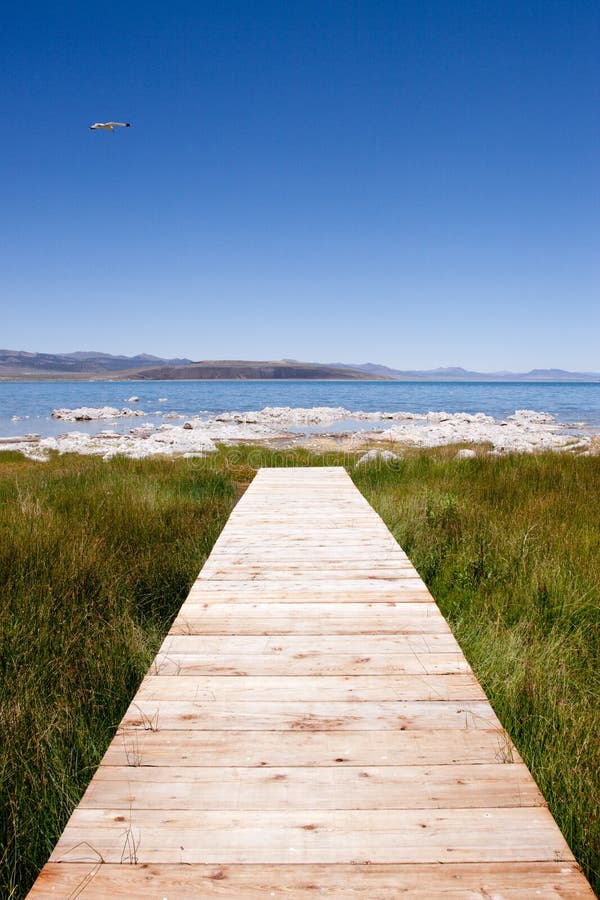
310	728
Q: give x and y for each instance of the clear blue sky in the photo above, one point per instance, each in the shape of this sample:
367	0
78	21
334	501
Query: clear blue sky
413	183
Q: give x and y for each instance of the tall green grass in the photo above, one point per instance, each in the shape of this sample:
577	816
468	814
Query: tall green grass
510	549
95	560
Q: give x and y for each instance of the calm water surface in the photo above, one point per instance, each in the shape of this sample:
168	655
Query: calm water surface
34	402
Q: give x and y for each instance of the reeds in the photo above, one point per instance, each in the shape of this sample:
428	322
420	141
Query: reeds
510	549
95	560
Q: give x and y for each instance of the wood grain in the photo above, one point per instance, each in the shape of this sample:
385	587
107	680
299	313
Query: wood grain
475	881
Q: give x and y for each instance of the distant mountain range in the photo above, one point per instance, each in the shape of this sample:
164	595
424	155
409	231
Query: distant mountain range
19	365
20	362
456	373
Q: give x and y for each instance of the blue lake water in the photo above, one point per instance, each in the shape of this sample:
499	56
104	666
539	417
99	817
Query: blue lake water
34	402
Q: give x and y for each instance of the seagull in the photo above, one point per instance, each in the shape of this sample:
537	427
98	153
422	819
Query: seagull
109	126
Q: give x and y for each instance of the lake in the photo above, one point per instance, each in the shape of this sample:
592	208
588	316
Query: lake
33	402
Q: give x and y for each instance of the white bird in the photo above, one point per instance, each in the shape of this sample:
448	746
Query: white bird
109	126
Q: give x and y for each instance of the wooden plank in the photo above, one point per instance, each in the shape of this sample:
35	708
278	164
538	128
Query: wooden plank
298	787
476	881
309	618
298	590
291	521
270	591
372	544
303	715
310	725
286	569
308	662
321	836
138	747
287	574
355	645
262	554
322	688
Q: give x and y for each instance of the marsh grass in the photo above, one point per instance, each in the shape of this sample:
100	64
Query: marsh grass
96	558
509	547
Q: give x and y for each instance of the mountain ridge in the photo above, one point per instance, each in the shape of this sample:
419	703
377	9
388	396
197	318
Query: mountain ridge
457	373
80	365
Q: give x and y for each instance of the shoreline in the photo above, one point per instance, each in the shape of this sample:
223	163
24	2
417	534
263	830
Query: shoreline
127	376
313	428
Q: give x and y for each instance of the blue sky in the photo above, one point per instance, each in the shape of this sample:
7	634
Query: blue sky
413	183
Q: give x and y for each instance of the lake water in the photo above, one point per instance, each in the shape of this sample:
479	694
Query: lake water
33	402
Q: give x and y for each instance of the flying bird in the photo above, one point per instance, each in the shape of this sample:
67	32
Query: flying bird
109	126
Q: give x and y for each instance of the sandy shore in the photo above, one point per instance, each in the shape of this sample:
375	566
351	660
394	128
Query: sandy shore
525	431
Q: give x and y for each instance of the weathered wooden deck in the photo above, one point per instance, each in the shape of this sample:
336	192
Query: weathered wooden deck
309	728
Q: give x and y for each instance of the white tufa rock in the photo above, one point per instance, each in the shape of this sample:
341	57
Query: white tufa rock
525	431
377	455
531	417
94	413
136	445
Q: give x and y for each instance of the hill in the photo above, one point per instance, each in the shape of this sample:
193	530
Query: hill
245	370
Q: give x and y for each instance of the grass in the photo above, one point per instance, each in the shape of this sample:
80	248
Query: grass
510	550
96	558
